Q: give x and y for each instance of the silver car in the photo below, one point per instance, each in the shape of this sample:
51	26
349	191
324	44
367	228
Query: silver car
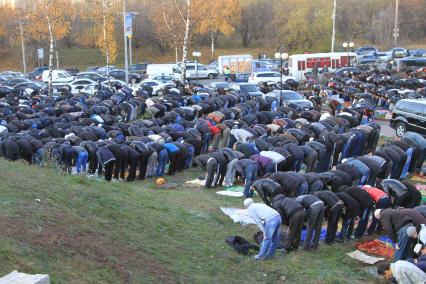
202	72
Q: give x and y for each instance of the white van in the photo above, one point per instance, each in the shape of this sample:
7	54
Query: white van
153	70
58	76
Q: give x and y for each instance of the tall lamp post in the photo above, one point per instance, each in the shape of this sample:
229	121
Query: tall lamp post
348	46
196	55
281	56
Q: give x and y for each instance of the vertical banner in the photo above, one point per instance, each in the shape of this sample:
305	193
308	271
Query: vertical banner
128	24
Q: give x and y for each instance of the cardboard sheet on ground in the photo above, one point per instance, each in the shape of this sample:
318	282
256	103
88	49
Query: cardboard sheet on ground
359	255
238	215
230	193
22	278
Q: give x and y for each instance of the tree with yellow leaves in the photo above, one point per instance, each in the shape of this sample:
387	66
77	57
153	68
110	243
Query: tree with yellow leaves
215	17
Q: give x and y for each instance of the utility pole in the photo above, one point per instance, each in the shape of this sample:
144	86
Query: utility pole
21	31
126	65
396	29
334	25
130	51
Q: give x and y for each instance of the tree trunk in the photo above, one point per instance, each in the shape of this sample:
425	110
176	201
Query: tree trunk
106	45
185	39
56	55
212	39
51	49
24	62
176	53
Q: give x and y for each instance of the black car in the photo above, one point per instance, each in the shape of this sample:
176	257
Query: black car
91	75
409	115
36	73
139	68
121	75
16	81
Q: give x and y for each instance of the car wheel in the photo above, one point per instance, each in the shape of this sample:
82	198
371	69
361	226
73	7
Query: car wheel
210	76
400	129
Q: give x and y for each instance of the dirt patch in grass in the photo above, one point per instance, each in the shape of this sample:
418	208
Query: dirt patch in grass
119	257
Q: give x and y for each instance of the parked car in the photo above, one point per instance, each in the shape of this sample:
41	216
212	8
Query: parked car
79	85
153	70
105	69
409	115
218	85
139	68
164	78
342	72
408	63
15	81
290	99
418	52
37	72
247	89
35	86
91	75
202	72
261	77
366	58
156	85
5	90
382	57
121	75
58	76
12	74
366	50
398	52
92	68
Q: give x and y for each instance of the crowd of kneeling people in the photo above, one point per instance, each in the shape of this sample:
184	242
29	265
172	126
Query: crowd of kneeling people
304	165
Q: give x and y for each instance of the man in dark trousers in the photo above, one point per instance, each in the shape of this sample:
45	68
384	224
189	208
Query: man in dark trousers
333	208
247	169
121	156
314	210
106	159
209	165
366	203
351	211
395	222
293	216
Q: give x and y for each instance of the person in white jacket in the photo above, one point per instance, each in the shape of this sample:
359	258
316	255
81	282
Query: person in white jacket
403	272
269	221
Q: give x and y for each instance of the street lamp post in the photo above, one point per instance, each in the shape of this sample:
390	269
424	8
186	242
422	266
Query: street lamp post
348	46
281	56
196	55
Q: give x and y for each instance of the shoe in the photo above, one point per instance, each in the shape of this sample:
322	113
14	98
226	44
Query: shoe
339	240
258	258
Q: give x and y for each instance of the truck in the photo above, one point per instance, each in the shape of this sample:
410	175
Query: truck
153	70
242	64
300	64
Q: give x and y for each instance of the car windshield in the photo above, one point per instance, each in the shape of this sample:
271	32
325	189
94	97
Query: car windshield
248	88
289	96
220	85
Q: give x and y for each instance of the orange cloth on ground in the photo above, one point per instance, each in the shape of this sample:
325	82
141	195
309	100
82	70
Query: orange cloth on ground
376	247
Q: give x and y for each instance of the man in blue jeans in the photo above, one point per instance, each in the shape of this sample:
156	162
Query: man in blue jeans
269	221
247	169
82	156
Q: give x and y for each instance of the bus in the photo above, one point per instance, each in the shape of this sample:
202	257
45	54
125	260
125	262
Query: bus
299	64
409	63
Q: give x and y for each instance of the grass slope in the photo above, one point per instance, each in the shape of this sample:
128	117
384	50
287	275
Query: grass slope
90	231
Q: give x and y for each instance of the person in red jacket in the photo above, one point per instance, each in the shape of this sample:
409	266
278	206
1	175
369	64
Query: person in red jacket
381	201
216	133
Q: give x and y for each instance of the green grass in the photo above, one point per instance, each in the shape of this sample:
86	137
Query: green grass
90	231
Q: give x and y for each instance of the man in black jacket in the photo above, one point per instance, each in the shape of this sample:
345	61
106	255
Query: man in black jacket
351	211
293	183
333	208
293	216
395	222
398	192
106	160
267	189
366	203
314	209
